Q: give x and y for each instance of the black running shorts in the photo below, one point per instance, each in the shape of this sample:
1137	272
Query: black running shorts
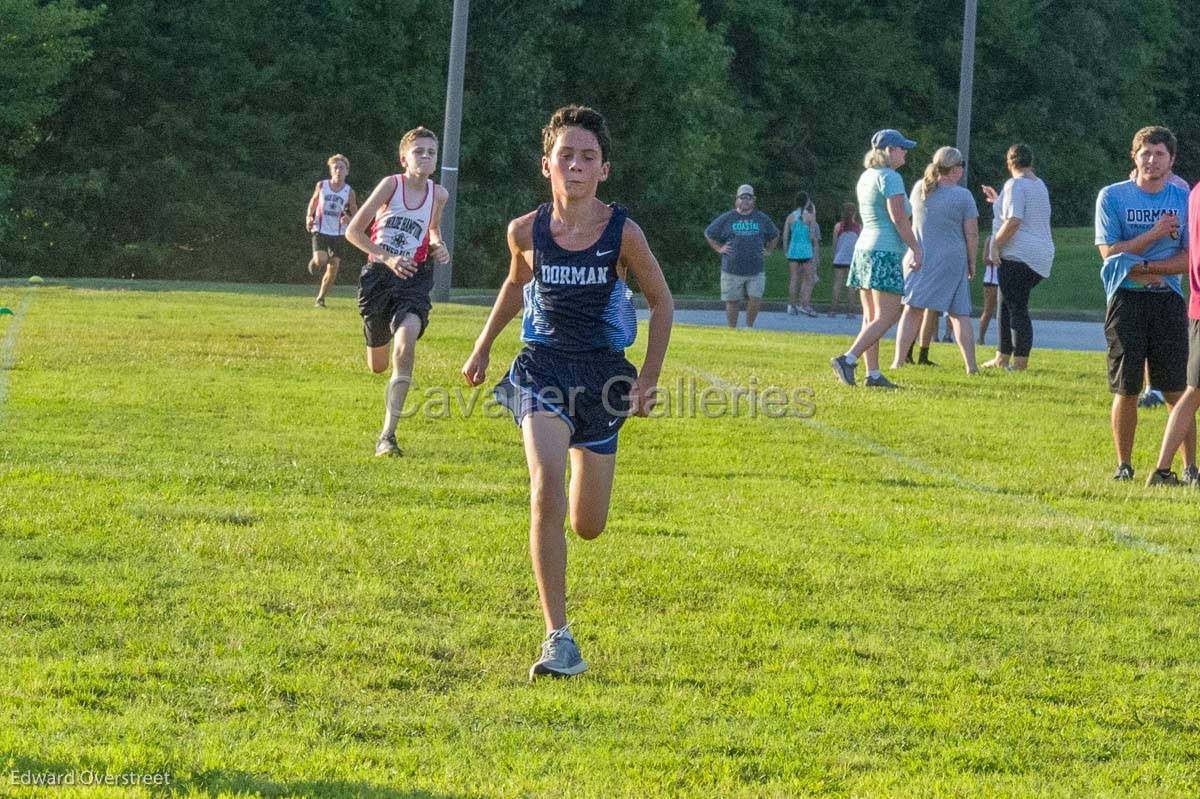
1146	327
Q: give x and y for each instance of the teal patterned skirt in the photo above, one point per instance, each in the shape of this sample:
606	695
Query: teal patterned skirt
876	269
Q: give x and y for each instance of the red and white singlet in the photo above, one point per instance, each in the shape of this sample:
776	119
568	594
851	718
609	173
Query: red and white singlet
402	228
330	207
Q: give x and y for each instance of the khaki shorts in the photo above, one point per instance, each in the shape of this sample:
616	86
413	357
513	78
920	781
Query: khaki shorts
741	287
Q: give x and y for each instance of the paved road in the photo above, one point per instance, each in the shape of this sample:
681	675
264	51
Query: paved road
1087	336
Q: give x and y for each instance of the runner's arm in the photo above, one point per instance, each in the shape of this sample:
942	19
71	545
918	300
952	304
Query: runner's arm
508	301
310	214
636	257
437	246
356	230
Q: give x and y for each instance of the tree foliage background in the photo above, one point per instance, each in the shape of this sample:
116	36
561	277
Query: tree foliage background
164	139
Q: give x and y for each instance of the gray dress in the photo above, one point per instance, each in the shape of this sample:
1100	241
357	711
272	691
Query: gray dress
941	283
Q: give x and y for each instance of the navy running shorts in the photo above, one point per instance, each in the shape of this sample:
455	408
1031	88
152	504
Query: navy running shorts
589	392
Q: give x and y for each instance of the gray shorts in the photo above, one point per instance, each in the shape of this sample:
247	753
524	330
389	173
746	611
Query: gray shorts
735	288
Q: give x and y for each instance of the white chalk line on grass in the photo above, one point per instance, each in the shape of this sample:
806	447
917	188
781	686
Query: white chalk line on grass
8	348
1121	534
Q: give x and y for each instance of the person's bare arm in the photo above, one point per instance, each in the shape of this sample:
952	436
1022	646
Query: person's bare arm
310	214
971	233
351	207
1177	264
508	302
1165	226
718	247
437	247
895	206
1007	230
637	258
356	231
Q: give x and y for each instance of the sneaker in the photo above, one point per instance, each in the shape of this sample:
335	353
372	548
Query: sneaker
1124	473
808	310
320	303
926	362
1191	476
1158	478
560	657
843	369
1151	398
792	310
948	338
386	445
880	382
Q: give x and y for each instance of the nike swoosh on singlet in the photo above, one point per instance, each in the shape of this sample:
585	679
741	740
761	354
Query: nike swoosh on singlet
602	254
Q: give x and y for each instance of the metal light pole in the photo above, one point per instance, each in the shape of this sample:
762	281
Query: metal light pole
450	141
966	79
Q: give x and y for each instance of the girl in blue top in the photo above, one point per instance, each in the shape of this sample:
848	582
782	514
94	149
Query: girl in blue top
876	267
802	244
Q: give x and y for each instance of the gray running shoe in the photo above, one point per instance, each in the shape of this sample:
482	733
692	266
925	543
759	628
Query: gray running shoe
560	657
843	369
1157	478
387	446
880	382
1191	476
1124	473
808	310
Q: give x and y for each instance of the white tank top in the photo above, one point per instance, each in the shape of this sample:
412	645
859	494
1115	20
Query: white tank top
402	228
330	206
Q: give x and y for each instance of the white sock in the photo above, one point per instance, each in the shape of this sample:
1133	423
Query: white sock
874	373
397	388
851	358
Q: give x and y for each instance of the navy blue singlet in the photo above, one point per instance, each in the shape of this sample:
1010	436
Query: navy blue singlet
576	303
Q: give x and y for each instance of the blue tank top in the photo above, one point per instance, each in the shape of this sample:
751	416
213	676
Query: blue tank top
800	243
576	303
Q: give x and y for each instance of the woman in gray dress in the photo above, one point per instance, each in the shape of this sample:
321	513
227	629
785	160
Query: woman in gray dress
945	221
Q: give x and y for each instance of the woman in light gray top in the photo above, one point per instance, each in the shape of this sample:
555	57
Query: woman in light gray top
1026	252
946	223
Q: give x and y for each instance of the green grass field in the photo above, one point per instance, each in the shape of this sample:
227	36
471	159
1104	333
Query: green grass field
1073	286
934	592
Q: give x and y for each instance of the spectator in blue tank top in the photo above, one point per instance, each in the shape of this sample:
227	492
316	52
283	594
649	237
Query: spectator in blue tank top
571	388
802	245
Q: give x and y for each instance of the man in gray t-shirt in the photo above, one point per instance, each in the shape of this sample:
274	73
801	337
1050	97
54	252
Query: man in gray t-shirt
742	237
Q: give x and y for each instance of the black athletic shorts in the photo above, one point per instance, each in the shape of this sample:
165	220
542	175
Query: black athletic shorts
336	246
1193	369
589	392
1146	327
384	299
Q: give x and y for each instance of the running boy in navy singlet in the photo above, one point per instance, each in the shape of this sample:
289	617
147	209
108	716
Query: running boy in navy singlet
393	290
332	204
571	388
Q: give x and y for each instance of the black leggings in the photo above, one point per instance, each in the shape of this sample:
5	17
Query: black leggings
1016	329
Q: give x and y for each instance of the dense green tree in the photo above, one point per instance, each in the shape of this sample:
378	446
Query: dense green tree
189	142
40	43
